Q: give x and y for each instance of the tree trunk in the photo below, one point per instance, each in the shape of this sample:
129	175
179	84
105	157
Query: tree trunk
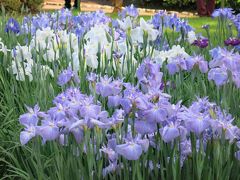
117	5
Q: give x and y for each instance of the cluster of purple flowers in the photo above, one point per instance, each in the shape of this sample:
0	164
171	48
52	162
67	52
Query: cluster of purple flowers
163	20
72	111
64	19
144	109
226	13
178	63
225	66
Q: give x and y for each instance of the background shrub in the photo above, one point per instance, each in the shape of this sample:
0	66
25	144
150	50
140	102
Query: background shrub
22	5
180	4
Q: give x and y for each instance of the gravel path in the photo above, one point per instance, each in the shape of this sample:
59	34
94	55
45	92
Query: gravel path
107	7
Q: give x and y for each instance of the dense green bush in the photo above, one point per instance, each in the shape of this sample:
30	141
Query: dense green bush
183	4
179	2
34	5
13	5
22	5
235	4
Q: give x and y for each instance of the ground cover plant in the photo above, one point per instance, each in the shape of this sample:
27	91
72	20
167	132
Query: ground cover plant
90	97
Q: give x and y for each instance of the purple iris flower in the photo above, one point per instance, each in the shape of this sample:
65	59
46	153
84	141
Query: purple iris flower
30	118
80	32
223	124
27	134
173	68
78	134
202	105
201	42
158	19
186	147
104	87
223	12
145	127
135	100
203	66
92	77
232	42
132	150
196	121
112	155
157	112
108	87
48	130
218	75
66	76
170	132
118	116
58	112
129	11
114	101
89	109
12	26
149	74
176	64
222	57
197	61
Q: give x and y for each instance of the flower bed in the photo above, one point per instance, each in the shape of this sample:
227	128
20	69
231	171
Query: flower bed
121	98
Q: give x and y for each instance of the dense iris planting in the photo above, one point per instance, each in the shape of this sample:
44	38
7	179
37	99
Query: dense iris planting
121	98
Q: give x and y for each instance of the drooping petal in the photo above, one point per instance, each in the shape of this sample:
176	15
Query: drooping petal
130	151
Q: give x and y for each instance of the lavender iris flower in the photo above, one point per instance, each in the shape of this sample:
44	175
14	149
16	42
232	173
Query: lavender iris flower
218	75
197	61
48	130
107	87
149	74
186	147
129	11
223	12
30	118
27	134
58	112
114	101
89	109
176	64
135	101
157	112
66	76
170	132
12	26
145	127
130	150
162	19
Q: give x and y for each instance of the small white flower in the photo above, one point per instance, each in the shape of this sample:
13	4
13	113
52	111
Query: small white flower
125	24
191	37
